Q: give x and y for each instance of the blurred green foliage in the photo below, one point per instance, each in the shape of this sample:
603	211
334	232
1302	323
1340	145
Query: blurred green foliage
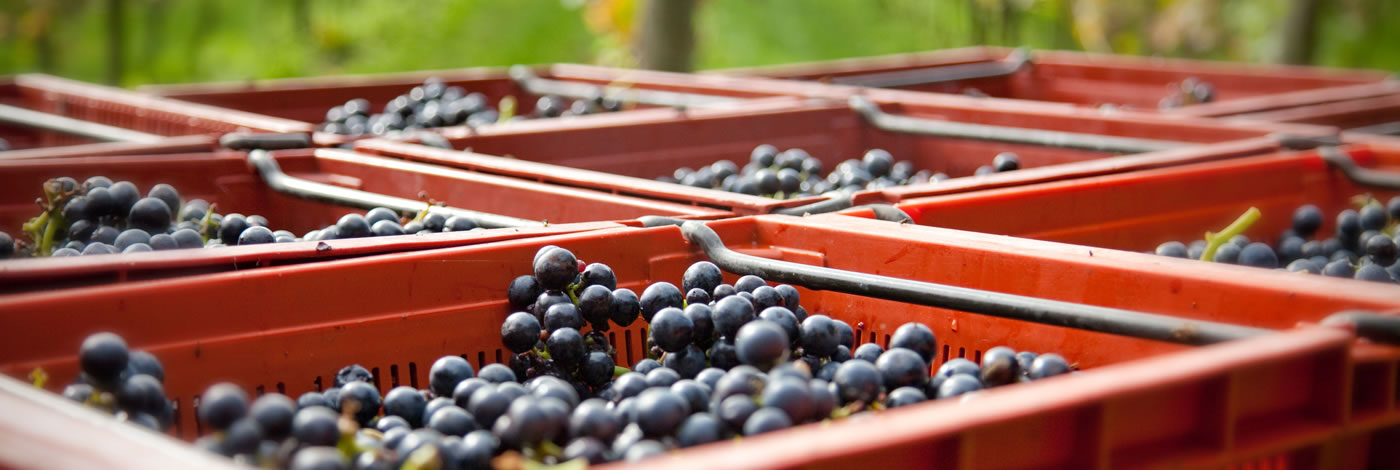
167	41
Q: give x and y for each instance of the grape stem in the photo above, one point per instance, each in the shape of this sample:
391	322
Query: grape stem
1215	240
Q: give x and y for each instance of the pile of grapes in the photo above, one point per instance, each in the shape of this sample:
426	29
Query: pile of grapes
794	173
726	361
1362	246
434	104
101	217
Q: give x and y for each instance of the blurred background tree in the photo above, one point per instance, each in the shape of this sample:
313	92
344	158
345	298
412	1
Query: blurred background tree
131	42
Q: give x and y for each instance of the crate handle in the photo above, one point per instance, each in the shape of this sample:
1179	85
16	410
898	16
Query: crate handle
1370	325
1384	128
77	127
1010	306
844	201
533	84
265	141
281	182
1362	176
1305	142
1014	135
1014	62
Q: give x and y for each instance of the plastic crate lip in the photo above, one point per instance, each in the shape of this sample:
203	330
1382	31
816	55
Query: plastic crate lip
1364	295
192	111
298	83
1088	168
1281	101
1331	109
530	126
46	425
678	210
261	254
545	172
178	144
930	58
929	421
898	101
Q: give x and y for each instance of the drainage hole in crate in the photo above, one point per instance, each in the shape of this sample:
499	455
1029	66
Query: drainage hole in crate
977	356
179	426
317	384
413	374
945	353
194	408
282	388
259	391
374	374
480	360
393	375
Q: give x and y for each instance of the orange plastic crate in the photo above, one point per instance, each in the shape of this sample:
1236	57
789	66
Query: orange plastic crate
1137	211
1079	78
119	108
625	152
1271	399
226	179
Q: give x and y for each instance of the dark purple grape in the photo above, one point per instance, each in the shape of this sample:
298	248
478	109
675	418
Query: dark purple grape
555	267
723	355
957	385
731	313
628	385
858	381
904	396
405	402
593	419
749	283
447	372
766	420
562	315
103	356
687	362
273	413
598	274
487	404
784	318
1048	365
671	329
697	296
626	307
658	296
901	367
660	412
645	366
916	337
999	367
721	291
366	398
819	336
702	322
566	347
597	369
735	410
520	332
221	405
762	344
792	396
869	352
702	275
662	377
1381	249
699	428
462	393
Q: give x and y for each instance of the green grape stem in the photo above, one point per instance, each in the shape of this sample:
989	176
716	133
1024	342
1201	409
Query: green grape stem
1215	240
50	232
205	222
619	370
506	109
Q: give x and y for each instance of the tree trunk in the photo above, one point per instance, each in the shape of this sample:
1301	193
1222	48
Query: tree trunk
116	35
1299	31
668	35
301	14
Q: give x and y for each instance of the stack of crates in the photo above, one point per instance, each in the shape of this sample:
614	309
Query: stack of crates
1117	155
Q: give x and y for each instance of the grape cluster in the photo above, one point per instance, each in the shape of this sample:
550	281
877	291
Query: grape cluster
127	383
1362	246
793	173
724	361
1188	92
99	216
434	104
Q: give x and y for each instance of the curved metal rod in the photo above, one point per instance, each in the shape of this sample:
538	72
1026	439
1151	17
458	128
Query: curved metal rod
526	78
1362	176
272	174
1305	142
1015	307
1014	135
1369	325
70	126
1018	59
265	141
832	203
1385	128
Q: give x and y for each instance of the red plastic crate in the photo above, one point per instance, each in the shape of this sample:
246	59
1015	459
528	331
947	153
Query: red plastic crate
1137	211
225	178
1276	398
307	99
119	108
182	144
1075	77
653	143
